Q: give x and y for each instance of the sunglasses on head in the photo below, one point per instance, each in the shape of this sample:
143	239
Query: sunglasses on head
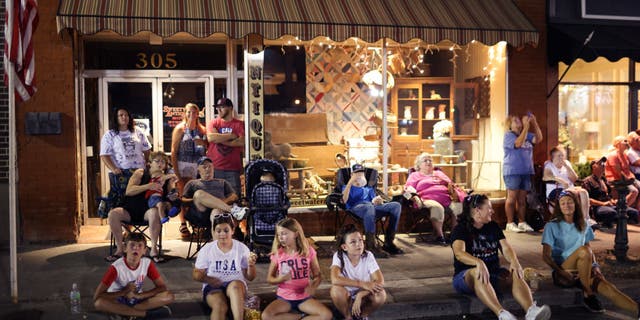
472	199
222	216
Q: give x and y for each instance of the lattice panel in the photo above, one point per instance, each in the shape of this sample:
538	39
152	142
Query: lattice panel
334	87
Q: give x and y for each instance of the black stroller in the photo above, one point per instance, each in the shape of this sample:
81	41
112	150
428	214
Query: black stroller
268	203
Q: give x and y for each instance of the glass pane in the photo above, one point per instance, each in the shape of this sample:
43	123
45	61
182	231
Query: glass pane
464	115
175	95
590	117
135	97
599	70
91	103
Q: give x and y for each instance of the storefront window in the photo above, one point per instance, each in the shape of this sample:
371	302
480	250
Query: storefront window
599	70
590	116
592	108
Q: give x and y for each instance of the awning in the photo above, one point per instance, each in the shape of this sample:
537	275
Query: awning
611	42
461	21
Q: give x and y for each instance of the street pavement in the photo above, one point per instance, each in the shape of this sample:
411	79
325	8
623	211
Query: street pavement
418	282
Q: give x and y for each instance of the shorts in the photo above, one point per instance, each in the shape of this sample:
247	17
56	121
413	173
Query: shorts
153	200
209	289
294	304
461	286
518	182
231	176
197	217
188	169
129	302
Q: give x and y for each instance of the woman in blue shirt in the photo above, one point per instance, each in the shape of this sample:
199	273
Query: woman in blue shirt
565	248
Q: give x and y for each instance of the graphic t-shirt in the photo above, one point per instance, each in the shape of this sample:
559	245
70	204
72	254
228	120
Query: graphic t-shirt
225	157
517	161
300	268
483	243
225	266
125	148
362	271
119	274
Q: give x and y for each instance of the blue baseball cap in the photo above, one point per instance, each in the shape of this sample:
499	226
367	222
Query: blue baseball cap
357	168
203	159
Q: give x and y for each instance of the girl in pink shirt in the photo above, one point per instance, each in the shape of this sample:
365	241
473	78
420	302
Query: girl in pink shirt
295	269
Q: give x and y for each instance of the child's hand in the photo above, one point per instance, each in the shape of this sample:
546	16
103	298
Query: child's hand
356	307
251	260
310	289
372	286
214	282
377	200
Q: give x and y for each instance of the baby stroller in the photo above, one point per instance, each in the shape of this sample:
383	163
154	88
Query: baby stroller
268	203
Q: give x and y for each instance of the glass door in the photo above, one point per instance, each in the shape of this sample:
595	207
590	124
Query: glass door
173	95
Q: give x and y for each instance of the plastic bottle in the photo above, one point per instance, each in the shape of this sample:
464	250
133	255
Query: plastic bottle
74	299
187	134
198	140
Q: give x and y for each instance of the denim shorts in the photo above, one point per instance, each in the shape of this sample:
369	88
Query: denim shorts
518	182
294	303
209	289
461	286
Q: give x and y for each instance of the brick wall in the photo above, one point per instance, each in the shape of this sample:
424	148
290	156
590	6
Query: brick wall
47	186
4	112
529	81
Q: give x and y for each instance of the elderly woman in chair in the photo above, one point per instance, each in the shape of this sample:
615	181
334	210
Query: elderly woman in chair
432	189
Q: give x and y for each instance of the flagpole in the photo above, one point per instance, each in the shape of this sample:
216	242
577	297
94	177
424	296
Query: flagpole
13	252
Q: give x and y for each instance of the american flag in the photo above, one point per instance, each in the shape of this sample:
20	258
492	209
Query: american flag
21	20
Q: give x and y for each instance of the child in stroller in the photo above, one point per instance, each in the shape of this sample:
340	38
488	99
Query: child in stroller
266	185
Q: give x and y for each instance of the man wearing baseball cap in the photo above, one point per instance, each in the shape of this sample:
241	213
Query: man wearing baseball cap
225	134
209	196
362	200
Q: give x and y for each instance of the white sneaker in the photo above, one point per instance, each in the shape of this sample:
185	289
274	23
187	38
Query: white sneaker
506	315
238	212
525	227
512	227
538	313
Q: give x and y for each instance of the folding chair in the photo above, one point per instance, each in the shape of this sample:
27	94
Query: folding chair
200	235
136	226
422	214
334	201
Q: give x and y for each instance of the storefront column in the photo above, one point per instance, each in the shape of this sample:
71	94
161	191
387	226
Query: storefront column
254	96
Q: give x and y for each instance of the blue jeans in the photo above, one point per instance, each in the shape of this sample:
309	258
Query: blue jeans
369	213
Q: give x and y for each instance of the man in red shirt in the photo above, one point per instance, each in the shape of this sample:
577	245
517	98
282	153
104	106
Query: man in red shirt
226	143
618	167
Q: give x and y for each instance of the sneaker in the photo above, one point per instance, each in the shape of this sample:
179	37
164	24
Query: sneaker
506	315
379	253
525	227
238	212
174	211
538	313
512	227
157	313
593	304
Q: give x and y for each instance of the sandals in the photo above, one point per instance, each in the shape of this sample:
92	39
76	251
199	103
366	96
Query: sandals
112	258
184	230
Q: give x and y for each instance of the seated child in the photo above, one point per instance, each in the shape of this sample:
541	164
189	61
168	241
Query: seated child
156	195
120	291
295	270
357	282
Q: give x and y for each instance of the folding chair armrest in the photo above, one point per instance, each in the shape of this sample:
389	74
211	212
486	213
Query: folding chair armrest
334	200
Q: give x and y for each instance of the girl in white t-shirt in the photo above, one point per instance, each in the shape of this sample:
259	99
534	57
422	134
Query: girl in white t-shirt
223	266
357	283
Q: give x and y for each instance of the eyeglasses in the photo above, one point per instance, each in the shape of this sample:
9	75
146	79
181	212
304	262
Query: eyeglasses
427	160
158	161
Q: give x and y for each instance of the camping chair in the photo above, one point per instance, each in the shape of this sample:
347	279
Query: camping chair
200	235
422	214
334	201
136	226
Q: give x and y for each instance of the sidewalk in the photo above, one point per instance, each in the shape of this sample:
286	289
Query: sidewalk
418	282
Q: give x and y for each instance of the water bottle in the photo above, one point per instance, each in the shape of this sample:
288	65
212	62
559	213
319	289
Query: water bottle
74	299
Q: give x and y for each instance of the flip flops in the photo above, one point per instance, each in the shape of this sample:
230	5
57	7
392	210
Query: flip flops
112	258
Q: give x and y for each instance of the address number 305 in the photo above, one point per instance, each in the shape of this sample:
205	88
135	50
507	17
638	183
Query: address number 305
156	60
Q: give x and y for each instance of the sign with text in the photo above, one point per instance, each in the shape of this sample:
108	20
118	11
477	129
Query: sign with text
143	56
255	67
